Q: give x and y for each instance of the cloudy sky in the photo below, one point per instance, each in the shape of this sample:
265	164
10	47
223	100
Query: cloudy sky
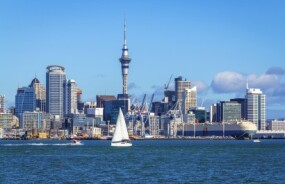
218	45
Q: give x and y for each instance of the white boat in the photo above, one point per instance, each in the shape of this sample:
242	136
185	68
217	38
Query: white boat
121	136
148	136
256	140
75	142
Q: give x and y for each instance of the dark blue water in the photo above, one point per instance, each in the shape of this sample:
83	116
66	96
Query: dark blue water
173	161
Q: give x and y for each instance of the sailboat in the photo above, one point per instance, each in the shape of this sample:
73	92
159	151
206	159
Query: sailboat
121	136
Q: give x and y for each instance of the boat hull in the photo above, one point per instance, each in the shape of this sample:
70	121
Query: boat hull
121	144
218	129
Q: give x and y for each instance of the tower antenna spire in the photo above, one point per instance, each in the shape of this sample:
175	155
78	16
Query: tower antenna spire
125	60
125	30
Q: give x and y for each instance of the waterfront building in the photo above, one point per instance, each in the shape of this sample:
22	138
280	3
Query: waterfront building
200	114
111	109
189	118
70	94
243	105
125	61
276	125
55	79
170	123
230	111
2	103
25	100
85	126
154	129
35	122
8	121
189	99
40	93
256	104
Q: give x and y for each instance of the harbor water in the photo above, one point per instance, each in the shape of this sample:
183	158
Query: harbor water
147	161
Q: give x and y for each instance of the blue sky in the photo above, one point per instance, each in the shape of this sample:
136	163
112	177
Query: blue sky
217	45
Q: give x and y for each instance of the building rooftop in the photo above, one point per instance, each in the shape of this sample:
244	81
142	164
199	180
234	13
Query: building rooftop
34	81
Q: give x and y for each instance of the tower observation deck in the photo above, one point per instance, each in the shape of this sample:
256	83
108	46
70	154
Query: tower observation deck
125	61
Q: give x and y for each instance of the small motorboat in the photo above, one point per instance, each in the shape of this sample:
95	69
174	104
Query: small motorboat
256	140
76	142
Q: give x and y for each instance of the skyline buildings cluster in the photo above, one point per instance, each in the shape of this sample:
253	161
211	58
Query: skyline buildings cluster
60	98
219	46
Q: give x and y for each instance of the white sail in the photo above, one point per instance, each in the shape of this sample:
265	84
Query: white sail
118	132
124	130
121	136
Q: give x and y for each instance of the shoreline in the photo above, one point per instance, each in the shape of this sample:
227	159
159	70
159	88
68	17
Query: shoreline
141	139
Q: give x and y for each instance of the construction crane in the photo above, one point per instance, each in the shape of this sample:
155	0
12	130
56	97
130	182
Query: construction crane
143	103
167	85
141	116
150	103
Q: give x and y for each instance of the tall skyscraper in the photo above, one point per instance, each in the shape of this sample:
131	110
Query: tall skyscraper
2	103
256	104
125	60
25	100
40	92
189	99
70	105
180	86
55	80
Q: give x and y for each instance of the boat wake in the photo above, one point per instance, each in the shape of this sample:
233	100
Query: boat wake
42	144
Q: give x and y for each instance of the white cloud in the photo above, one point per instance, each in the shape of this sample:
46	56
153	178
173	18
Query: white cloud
264	81
201	86
228	82
234	82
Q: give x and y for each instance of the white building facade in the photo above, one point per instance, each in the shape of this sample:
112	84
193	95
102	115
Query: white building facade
256	107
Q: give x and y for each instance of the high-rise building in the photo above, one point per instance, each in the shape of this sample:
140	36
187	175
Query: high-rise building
101	99
80	104
189	99
55	80
40	93
256	104
70	104
2	103
214	113
25	100
79	95
230	111
180	86
125	61
243	105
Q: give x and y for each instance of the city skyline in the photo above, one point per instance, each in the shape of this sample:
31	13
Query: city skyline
219	46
